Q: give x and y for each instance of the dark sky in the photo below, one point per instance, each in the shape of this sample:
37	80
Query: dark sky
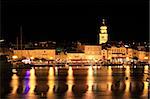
74	20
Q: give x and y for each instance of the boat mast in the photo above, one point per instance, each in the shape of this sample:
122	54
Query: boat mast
17	42
21	37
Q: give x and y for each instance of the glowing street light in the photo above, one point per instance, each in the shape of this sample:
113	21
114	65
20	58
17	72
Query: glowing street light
51	57
32	58
1	41
14	57
145	57
127	58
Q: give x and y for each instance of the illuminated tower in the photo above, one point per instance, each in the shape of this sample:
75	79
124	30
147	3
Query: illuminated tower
103	36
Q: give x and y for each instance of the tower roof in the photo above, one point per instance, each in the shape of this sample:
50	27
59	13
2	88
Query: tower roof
103	21
103	26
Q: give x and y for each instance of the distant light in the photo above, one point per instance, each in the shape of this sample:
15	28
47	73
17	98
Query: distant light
32	57
51	57
109	57
35	44
127	58
1	40
54	42
26	61
14	57
103	27
134	66
126	45
145	57
40	61
69	57
14	70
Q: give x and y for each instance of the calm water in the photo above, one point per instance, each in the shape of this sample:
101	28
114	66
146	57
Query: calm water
93	82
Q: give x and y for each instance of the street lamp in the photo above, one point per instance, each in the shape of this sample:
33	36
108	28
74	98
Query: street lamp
1	40
14	57
32	58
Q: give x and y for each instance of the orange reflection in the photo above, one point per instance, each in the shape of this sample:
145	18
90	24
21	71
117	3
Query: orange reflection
146	84
109	71
70	79
51	80
70	82
70	73
127	81
109	86
127	86
51	73
32	81
109	77
145	91
90	78
14	83
146	69
56	70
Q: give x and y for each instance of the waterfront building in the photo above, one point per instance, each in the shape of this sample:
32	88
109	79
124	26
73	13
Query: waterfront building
117	54
135	53
88	52
61	57
113	51
129	53
104	54
147	57
141	55
76	56
37	53
92	52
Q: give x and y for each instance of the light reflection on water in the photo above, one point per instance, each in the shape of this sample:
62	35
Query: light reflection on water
128	77
32	81
70	80
90	78
91	82
51	80
14	83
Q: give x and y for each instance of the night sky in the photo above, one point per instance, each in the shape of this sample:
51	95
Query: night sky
71	20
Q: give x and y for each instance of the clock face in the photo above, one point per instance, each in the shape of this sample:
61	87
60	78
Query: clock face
102	37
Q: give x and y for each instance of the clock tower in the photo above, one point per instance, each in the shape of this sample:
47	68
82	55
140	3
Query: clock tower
103	36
